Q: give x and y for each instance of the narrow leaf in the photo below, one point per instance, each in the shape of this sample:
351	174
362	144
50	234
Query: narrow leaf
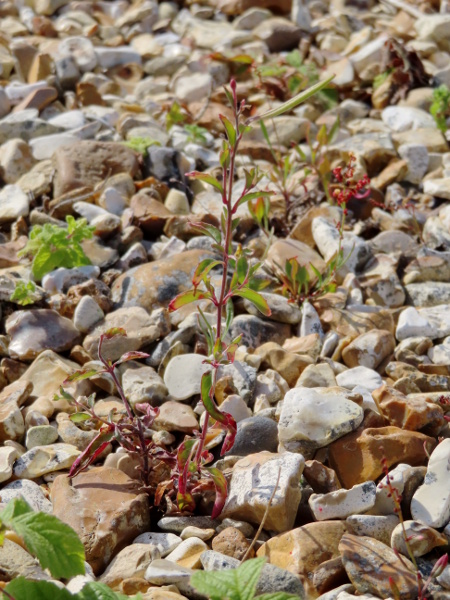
293	102
256	299
82	374
186	298
220	484
203	268
133	355
207	178
80	417
231	133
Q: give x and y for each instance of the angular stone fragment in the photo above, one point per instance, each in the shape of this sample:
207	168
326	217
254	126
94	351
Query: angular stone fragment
431	503
343	503
313	418
370	563
105	509
252	483
41	460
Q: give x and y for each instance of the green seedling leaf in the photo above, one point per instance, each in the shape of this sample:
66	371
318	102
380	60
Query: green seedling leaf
186	298
230	131
55	544
81	374
23	589
207	178
255	299
242	269
293	102
24	293
80	417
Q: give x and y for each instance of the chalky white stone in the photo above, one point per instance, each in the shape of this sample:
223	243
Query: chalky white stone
431	502
359	376
165	542
14	203
343	503
183	375
45	459
87	314
313	418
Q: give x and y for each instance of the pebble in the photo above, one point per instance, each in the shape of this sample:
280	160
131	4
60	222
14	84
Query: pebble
183	375
255	434
431	502
87	314
14	203
41	460
164	542
343	503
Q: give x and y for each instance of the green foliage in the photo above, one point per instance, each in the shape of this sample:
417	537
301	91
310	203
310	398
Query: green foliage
141	144
234	584
440	107
24	293
196	133
380	78
52	246
55	544
175	115
22	589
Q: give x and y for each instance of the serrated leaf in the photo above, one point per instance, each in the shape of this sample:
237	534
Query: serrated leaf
23	589
207	178
56	545
15	508
256	299
276	596
235	584
100	591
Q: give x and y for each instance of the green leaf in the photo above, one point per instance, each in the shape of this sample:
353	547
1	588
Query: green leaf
250	196
100	591
231	133
23	589
80	417
208	230
207	178
186	298
203	268
242	269
276	596
229	312
256	299
114	332
293	102
220	484
82	374
55	544
235	584
14	509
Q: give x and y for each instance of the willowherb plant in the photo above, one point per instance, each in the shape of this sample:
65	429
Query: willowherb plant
238	280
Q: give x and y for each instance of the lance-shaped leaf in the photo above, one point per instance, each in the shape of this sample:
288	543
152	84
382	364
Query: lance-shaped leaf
188	297
92	451
133	355
207	178
208	230
80	417
250	196
185	451
256	299
82	374
202	270
224	419
231	133
292	103
220	484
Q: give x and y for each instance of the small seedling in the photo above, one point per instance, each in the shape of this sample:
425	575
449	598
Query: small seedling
24	293
52	246
141	144
196	134
440	107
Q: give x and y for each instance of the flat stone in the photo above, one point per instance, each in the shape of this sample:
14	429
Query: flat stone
87	314
177	524
431	293
379	527
104	507
164	542
431	502
254	434
41	460
183	375
253	480
17	562
15	160
187	554
141	329
369	349
14	203
303	550
40	435
12	426
343	503
370	563
132	561
166	572
359	376
422	539
7	457
29	491
174	416
36	330
256	331
312	418
282	310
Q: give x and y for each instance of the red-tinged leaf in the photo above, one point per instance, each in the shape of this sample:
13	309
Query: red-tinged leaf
250	196
231	133
133	355
185	451
113	332
228	442
220	483
394	589
208	402
91	452
207	178
161	489
255	299
185	502
203	268
82	374
188	297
